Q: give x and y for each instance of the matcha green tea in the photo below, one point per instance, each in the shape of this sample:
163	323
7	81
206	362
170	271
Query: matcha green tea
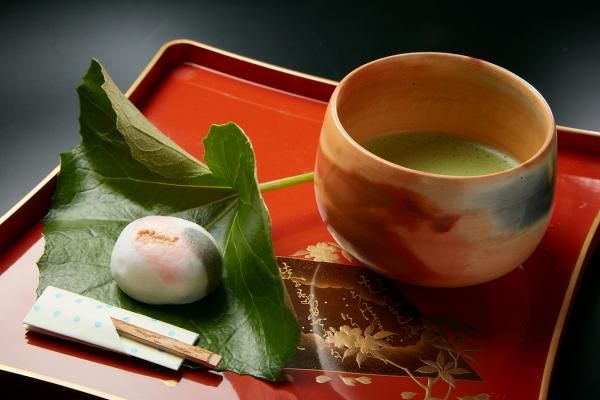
440	153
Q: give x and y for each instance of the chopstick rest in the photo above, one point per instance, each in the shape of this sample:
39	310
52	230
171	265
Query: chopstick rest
71	316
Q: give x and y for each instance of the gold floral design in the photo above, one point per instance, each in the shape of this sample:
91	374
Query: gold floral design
357	343
443	370
322	379
342	338
351	381
368	344
323	252
439	366
348	380
366	326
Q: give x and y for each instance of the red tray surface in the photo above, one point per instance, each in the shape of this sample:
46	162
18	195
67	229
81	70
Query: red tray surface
188	87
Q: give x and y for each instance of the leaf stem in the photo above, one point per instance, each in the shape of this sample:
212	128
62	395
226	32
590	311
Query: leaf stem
286	182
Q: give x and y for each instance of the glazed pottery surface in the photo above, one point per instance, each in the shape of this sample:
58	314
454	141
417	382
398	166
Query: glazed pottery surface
431	229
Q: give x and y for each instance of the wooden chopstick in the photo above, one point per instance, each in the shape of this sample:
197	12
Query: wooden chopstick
173	346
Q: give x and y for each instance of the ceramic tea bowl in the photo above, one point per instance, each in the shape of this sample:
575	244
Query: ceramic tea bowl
424	228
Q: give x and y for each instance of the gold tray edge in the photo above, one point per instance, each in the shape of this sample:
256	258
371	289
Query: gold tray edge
174	42
565	307
60	382
29	195
577	131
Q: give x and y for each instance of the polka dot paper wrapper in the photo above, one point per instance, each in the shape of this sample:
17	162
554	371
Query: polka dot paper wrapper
61	313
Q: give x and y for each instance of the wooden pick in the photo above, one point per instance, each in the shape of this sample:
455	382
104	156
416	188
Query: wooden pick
173	346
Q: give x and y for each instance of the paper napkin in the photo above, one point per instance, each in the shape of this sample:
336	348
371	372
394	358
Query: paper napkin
62	313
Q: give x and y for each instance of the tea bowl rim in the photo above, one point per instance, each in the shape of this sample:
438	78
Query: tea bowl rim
498	71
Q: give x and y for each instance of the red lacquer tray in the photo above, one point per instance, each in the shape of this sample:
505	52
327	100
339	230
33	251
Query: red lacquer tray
505	333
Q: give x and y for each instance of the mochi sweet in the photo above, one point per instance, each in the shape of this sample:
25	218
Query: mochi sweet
166	260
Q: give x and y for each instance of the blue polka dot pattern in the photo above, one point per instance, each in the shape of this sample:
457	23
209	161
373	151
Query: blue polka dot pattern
77	315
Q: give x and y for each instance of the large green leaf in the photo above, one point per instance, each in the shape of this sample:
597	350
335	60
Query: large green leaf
124	169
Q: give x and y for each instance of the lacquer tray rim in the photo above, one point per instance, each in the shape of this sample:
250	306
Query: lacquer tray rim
30	198
151	64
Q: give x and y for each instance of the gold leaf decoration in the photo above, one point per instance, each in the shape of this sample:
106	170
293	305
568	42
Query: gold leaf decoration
324	252
365	380
356	342
383	334
322	379
348	380
440	360
446	377
427	369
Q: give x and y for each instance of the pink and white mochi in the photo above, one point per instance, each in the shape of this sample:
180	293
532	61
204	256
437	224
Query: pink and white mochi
166	260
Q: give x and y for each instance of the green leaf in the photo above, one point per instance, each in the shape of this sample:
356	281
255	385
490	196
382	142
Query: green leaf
124	169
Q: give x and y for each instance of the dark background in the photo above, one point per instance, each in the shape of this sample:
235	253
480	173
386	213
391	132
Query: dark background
45	47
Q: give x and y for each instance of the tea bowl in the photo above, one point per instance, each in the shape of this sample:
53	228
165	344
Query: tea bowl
424	228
